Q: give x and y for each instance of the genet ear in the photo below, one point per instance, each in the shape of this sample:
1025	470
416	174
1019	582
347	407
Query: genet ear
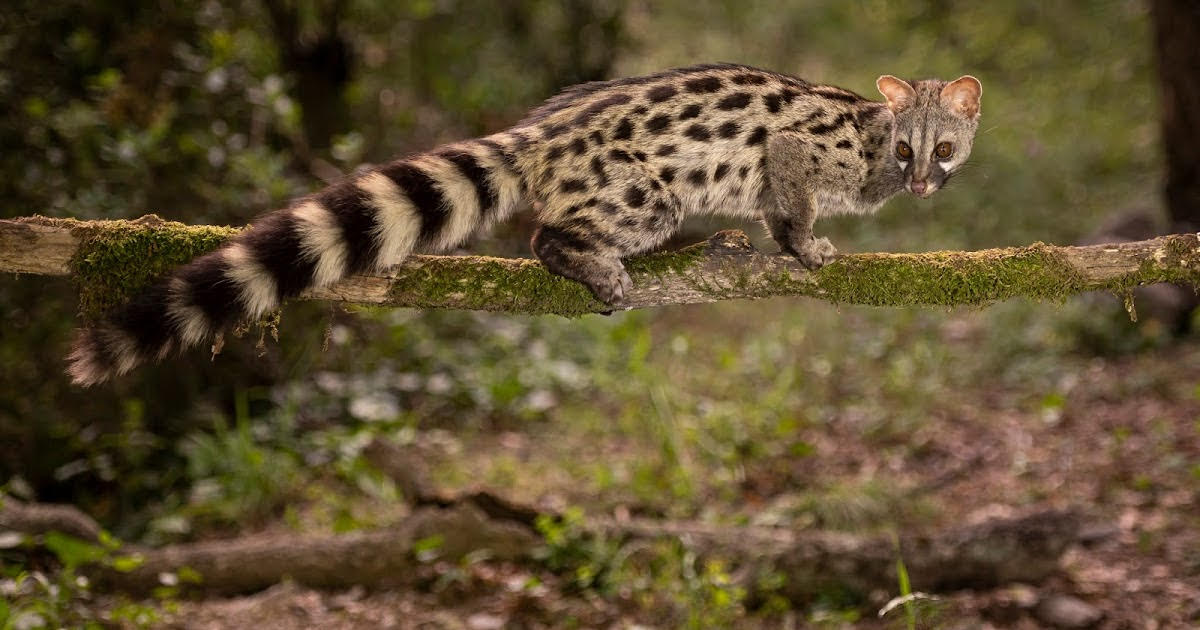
961	97
899	94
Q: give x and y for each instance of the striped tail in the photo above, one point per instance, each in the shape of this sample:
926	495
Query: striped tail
373	220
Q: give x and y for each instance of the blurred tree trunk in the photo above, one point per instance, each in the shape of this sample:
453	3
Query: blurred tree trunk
320	64
1177	37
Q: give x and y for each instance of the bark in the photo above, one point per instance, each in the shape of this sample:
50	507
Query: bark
380	558
996	552
39	518
724	267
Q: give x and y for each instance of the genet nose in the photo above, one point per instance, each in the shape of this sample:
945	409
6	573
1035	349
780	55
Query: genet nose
918	187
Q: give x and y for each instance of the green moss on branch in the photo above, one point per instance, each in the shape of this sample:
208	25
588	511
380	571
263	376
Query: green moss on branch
947	278
117	259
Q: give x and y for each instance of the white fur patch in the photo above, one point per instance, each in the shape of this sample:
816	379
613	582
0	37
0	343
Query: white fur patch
189	320
321	241
506	183
84	368
461	199
121	347
398	223
256	283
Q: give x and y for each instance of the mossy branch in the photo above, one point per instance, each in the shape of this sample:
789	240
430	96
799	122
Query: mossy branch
110	260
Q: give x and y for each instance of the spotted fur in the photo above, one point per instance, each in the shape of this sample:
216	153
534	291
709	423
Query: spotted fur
612	168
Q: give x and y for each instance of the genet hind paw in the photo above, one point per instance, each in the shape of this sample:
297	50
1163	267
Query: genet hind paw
815	253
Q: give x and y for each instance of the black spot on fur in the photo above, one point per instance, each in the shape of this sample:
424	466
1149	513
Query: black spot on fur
703	85
665	150
697	177
815	159
274	242
658	124
691	111
837	95
551	244
608	207
661	93
841	164
624	130
728	129
555	152
870	155
426	197
821	146
698	132
586	227
720	172
639	110
743	172
635	197
597	166
466	163
749	79
757	136
572	185
549	132
737	100
592	110
578	146
832	126
774	102
843	144
667	174
639	156
597	137
620	156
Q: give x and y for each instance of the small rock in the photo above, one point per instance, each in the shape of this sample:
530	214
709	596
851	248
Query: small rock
484	621
1064	611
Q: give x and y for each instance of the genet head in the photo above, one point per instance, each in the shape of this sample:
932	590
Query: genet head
934	127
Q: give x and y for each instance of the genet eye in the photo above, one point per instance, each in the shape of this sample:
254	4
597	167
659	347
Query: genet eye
903	151
943	150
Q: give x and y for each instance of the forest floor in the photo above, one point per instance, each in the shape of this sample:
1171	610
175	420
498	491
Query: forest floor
1117	437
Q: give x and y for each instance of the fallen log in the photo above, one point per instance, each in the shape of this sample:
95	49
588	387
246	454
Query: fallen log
1023	549
40	518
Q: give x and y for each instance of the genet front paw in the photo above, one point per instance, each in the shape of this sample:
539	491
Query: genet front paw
815	253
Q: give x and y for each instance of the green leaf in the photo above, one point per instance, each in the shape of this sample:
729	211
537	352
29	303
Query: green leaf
73	552
125	564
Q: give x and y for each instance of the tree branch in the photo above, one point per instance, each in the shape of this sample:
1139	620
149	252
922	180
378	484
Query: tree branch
113	259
